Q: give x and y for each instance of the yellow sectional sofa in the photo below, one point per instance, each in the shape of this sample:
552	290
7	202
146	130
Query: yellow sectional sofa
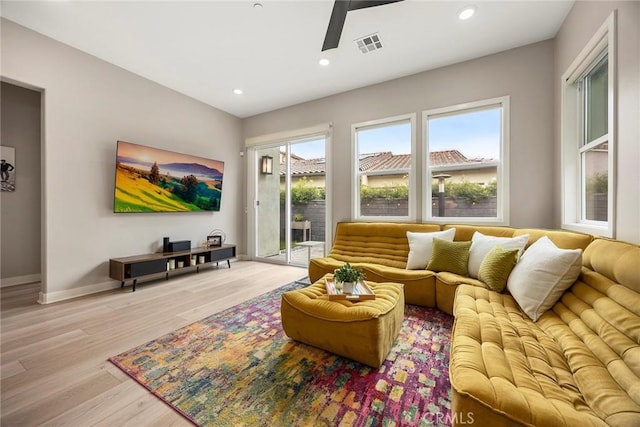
577	364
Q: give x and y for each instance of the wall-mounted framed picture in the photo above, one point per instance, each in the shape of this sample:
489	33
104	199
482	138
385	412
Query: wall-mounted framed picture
8	168
215	240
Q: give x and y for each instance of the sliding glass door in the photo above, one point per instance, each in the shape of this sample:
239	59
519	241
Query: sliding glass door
290	205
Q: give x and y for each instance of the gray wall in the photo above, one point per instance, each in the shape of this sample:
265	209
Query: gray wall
88	105
578	28
526	74
20	210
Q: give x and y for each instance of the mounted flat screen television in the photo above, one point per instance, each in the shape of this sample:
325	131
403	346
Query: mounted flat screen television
153	180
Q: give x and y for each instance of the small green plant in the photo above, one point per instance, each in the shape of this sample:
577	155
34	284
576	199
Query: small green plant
348	273
298	218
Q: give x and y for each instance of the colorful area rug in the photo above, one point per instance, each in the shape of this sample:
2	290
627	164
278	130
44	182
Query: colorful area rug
238	368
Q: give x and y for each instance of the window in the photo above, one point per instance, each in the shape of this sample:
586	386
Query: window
384	169
466	162
587	136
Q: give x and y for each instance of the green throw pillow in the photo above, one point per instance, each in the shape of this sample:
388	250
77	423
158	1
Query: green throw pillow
450	256
496	267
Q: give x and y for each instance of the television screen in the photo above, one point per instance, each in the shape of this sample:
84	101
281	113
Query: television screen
153	180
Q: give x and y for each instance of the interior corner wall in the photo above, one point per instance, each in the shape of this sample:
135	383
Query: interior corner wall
20	237
89	104
525	74
583	21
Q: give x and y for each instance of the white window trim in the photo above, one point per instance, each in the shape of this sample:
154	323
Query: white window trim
355	178
571	199
502	174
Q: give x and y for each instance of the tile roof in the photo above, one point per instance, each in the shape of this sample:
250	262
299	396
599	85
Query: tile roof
383	161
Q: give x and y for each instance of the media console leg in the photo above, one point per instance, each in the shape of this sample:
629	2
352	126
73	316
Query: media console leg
134	285
122	284
229	263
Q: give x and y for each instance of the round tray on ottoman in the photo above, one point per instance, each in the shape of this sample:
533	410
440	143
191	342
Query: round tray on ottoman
360	330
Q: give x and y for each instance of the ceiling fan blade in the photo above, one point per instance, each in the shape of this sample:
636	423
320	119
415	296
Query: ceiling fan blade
339	15
336	22
362	4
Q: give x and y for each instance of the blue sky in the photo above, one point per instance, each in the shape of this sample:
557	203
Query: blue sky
475	134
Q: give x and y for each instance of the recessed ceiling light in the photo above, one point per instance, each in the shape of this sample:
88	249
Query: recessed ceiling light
237	91
466	12
324	62
257	5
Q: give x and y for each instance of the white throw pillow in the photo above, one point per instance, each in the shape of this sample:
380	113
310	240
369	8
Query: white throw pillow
481	245
421	246
542	275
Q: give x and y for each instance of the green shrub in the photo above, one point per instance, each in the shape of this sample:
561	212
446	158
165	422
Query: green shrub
303	191
466	189
388	192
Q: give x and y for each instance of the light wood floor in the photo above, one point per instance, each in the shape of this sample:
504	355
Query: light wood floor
54	368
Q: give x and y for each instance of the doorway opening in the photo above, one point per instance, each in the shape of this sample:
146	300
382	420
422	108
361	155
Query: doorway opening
290	201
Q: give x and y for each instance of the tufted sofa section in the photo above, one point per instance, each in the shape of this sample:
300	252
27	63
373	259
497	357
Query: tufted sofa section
447	283
579	364
381	251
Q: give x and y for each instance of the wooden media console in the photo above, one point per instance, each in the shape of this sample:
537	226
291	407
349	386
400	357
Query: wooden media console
142	266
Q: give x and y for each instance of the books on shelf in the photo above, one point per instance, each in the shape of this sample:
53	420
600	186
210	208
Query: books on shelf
361	291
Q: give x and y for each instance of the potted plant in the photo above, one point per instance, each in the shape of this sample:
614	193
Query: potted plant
348	276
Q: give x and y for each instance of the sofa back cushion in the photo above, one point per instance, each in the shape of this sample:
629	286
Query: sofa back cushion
562	239
465	232
597	325
616	261
373	242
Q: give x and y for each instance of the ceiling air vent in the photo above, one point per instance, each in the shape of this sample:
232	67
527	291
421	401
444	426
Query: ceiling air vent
369	43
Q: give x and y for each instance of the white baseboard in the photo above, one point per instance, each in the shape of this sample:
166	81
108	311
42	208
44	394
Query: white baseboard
19	280
49	297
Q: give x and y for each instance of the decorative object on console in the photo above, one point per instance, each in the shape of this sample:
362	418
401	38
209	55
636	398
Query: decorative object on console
154	180
216	238
181	245
165	244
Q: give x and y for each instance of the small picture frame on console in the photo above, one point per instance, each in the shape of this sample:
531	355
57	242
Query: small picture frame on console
214	240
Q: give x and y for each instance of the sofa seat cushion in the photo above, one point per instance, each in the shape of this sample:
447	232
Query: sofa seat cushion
510	366
446	285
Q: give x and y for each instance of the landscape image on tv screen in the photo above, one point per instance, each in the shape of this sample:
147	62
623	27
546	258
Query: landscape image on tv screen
153	180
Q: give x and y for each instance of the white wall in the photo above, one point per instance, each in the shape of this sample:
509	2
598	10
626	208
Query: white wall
89	105
579	26
526	74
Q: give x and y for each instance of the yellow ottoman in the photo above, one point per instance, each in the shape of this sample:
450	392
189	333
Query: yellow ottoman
363	331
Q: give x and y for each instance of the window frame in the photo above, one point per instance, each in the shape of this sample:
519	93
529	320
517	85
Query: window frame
502	167
355	172
573	133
